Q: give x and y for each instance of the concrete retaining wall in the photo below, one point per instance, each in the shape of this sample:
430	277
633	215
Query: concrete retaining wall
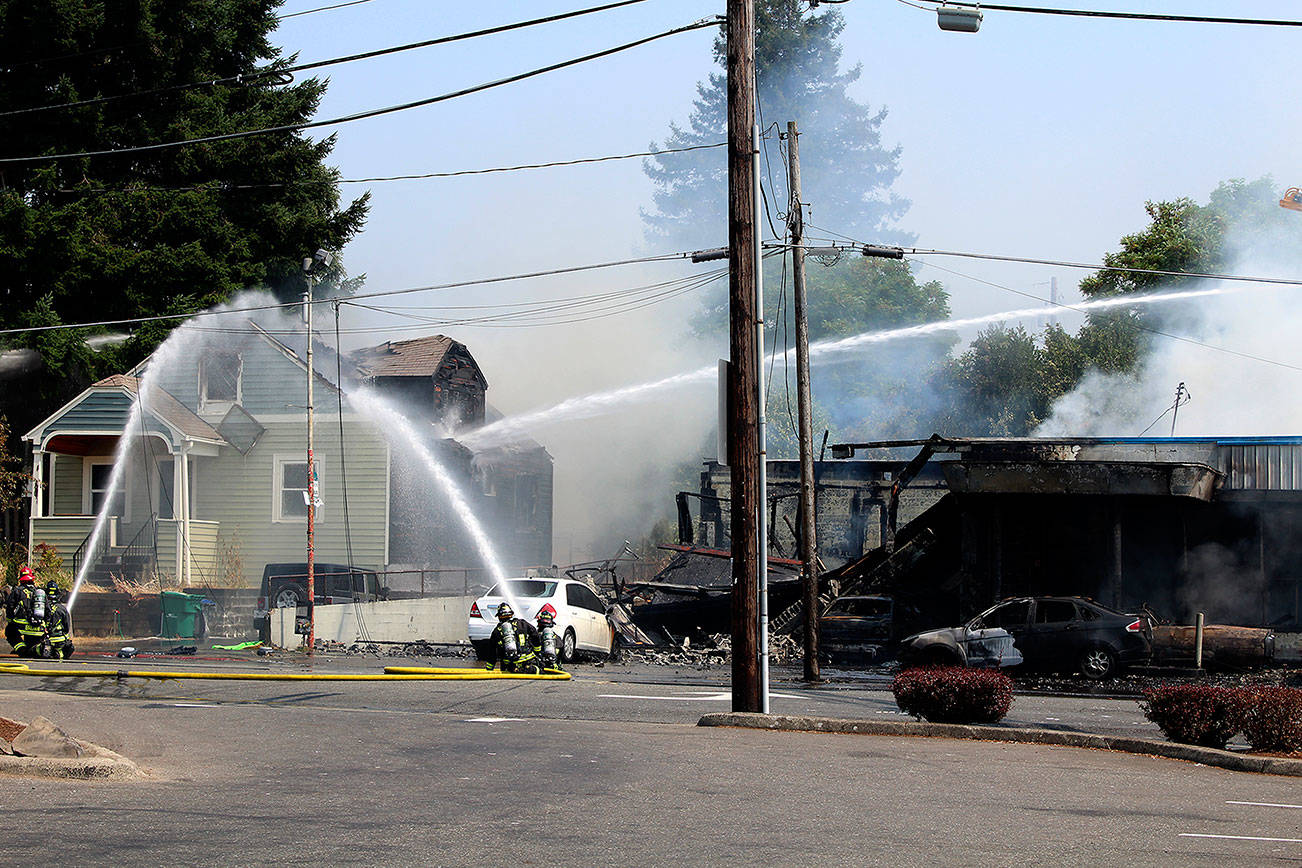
433	619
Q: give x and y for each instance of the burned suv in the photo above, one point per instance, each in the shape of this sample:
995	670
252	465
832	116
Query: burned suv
1071	634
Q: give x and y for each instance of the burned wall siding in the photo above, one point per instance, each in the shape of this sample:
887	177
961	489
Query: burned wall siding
850	501
423	530
517	485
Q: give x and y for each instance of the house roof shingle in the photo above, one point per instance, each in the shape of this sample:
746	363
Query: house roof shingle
166	407
419	357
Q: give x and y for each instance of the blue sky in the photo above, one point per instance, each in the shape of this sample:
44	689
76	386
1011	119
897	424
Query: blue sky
1037	136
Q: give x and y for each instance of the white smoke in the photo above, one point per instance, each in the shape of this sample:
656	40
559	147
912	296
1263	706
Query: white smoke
1241	360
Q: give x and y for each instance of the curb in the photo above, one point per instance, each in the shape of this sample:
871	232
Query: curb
83	769
1171	750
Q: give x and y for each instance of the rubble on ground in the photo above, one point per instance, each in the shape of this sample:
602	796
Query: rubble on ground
716	652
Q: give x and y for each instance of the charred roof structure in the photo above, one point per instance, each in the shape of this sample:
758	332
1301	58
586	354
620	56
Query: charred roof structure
1184	525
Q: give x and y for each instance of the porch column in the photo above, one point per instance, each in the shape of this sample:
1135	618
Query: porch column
178	486
38	479
185	522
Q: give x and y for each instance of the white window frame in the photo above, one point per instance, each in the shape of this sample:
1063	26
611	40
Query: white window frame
277	489
89	461
207	405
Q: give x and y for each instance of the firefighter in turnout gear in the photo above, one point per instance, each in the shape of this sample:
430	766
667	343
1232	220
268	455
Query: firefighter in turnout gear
549	644
58	623
513	643
26	628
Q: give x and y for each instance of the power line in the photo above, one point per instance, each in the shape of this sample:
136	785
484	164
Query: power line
855	244
1123	322
319	64
1133	16
414	177
321	9
109	49
371	113
1126	323
664	257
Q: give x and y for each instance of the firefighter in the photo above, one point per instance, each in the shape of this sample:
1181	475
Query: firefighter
513	642
548	641
26	628
58	622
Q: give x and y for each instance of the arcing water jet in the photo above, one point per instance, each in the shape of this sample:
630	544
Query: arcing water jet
392	422
512	428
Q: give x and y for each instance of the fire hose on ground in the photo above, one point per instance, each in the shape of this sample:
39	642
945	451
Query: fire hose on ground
391	673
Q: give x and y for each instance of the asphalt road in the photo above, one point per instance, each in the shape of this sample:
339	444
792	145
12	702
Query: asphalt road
606	768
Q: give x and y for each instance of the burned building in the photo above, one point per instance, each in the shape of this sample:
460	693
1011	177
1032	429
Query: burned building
1183	525
437	378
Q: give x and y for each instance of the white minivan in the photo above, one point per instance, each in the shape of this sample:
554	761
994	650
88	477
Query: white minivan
581	618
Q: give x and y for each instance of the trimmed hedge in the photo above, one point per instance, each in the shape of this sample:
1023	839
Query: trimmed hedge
953	694
1272	719
1195	714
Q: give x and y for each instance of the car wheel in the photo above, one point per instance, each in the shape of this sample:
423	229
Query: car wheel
568	645
1098	663
615	645
481	649
289	597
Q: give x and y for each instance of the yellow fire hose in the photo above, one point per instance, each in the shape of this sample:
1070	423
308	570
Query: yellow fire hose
391	673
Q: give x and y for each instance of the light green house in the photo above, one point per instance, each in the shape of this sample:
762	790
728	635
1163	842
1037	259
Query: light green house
216	487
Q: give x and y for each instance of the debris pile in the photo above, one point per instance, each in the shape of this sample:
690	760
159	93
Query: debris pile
715	652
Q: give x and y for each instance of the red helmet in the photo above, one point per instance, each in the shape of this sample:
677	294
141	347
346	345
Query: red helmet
25	574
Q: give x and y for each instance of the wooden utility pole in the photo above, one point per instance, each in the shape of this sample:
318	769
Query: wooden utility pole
808	507
311	480
743	382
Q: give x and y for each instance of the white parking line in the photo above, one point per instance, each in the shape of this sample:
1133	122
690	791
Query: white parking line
1241	838
491	720
1266	805
703	697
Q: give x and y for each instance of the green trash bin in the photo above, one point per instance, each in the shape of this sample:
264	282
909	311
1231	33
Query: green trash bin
182	615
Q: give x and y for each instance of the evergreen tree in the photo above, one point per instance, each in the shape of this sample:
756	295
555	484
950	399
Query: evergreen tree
167	231
847	172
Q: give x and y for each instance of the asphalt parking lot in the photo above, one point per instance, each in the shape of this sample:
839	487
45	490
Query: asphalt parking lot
607	767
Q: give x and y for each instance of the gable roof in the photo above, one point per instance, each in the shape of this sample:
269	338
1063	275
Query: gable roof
418	357
166	407
163	406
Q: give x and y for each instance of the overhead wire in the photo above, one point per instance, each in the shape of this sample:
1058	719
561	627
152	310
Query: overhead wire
273	73
664	257
320	9
1094	13
412	177
1125	323
1097	267
369	113
109	49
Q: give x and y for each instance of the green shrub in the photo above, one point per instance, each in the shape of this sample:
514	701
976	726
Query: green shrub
1196	714
1272	718
953	694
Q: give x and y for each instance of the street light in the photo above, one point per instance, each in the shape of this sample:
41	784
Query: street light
959	19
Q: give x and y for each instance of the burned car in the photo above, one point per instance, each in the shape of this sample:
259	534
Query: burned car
1071	634
972	645
856	627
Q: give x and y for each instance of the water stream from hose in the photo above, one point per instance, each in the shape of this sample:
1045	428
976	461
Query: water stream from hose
513	428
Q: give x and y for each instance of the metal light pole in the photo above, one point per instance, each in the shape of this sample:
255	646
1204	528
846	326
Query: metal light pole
310	265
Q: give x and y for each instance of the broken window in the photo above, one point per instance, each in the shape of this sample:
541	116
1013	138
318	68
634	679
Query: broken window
219	379
1054	611
1008	615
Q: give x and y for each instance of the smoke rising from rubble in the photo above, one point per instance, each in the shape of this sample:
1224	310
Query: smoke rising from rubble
1231	395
